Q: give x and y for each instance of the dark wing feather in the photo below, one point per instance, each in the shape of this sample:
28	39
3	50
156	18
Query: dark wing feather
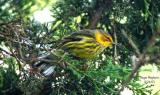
75	36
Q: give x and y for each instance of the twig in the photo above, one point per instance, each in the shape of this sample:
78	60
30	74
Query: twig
115	43
154	59
12	40
134	46
138	65
132	74
20	46
15	56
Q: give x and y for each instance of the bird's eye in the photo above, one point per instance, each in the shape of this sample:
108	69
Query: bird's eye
105	38
108	39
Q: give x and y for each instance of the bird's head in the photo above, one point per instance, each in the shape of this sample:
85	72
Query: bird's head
103	38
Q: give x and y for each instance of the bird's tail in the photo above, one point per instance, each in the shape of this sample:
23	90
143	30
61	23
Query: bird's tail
47	64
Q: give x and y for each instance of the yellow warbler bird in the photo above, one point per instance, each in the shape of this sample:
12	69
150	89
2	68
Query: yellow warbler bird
86	43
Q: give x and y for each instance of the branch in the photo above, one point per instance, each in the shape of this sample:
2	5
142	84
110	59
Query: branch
95	18
97	13
134	46
9	39
115	43
142	57
154	59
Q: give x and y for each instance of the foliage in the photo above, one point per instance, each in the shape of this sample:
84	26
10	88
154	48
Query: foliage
134	25
9	78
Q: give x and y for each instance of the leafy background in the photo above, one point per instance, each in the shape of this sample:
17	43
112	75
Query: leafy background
133	24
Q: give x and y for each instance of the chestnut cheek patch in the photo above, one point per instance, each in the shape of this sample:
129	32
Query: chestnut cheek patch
106	39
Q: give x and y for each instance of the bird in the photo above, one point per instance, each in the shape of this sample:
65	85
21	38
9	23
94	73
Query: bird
83	44
86	44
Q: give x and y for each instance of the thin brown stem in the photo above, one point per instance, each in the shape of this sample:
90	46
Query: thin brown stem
134	46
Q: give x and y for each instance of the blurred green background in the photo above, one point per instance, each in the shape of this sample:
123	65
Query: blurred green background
28	29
